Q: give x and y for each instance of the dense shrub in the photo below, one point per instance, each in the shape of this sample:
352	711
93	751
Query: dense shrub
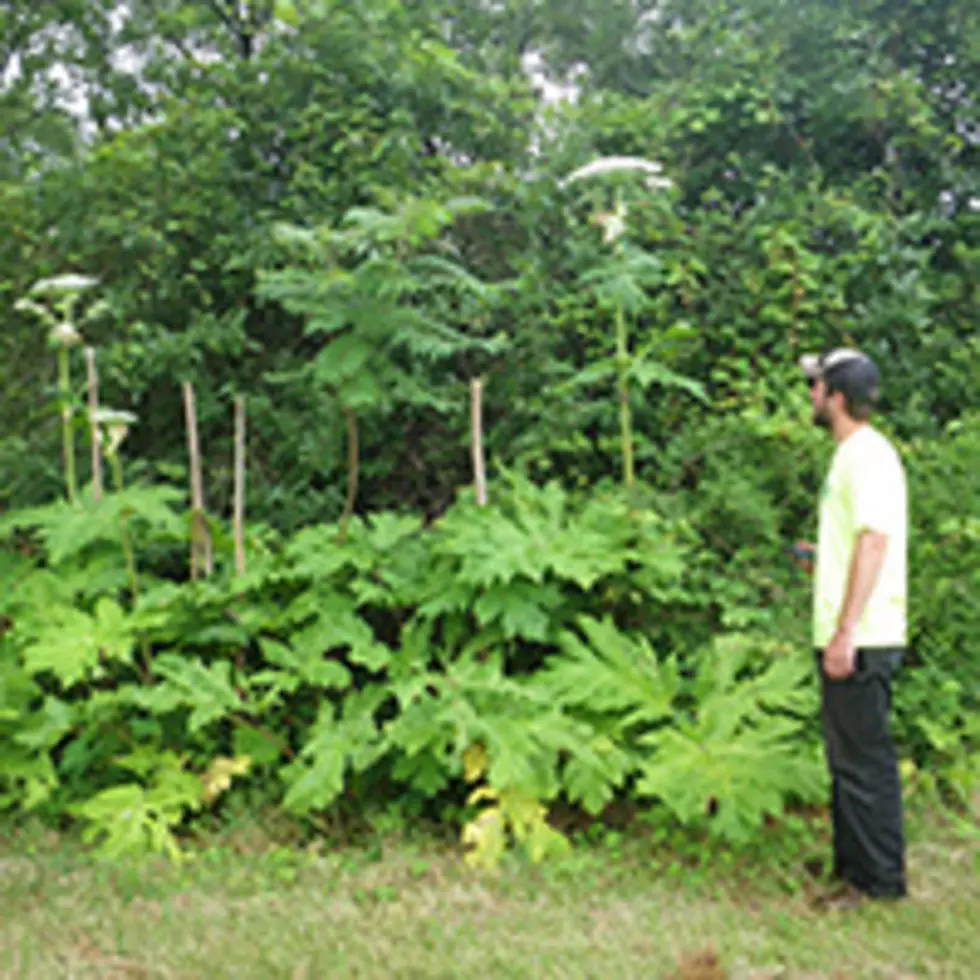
517	630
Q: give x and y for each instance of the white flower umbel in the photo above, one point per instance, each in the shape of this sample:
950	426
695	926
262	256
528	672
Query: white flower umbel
613	224
65	335
35	309
62	285
609	165
116	425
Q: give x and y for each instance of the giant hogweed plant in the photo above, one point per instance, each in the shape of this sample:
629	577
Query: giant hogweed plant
55	303
602	714
396	657
621	284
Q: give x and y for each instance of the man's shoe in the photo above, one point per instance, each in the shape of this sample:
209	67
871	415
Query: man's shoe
840	899
845	897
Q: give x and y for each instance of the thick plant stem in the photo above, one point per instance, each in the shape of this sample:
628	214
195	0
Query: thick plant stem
67	433
96	435
625	416
202	561
476	439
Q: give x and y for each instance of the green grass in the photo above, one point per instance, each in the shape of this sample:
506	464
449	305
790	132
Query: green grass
398	908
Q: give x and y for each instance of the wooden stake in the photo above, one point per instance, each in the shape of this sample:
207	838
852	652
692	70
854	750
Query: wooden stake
476	441
201	556
93	414
239	507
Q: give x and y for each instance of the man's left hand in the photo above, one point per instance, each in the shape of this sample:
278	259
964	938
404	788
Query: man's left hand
840	655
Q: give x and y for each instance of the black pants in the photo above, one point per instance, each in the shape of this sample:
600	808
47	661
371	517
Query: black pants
869	845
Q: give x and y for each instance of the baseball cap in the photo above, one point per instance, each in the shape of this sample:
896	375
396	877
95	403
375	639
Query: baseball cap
849	371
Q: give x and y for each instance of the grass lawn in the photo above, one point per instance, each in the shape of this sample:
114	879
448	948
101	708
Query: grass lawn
411	909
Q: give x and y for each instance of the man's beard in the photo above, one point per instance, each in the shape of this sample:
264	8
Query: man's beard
820	419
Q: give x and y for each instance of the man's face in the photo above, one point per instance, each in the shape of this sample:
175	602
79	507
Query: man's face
819	402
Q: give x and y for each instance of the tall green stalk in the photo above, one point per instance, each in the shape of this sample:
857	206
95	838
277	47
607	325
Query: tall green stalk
614	225
623	383
67	429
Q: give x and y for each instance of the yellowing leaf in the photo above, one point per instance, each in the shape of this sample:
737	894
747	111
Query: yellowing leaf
480	794
474	762
516	816
527	818
220	773
486	838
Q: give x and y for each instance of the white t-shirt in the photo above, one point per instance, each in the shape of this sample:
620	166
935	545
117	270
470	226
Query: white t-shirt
865	489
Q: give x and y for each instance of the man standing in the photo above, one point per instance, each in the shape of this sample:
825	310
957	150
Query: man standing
859	624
